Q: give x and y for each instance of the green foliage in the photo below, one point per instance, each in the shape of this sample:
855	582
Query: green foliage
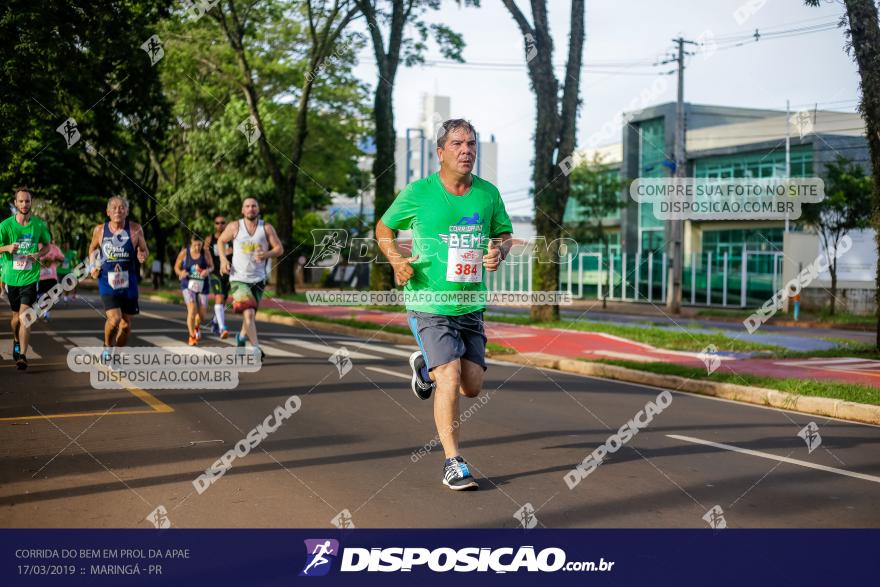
847	203
595	190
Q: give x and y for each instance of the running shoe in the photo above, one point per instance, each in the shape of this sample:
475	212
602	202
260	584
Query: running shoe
421	384
240	340
106	356
16	350
260	354
21	362
224	334
457	475
193	341
198	333
215	328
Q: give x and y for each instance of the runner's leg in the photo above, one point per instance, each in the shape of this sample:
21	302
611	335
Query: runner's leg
191	318
18	329
249	326
448	379
111	326
471	378
124	330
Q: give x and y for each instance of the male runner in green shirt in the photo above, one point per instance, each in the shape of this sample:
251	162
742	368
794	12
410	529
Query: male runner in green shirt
453	214
22	238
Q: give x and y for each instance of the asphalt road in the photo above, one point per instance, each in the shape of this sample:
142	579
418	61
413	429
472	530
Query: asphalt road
75	456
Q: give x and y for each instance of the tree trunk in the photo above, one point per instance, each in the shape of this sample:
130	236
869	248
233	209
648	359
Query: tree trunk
286	264
384	172
556	122
833	271
862	19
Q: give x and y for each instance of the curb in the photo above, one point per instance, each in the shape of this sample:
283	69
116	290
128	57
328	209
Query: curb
819	406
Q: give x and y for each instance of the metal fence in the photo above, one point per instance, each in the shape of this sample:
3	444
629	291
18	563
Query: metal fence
741	278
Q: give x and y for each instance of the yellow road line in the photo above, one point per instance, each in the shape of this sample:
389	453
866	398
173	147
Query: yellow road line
157	407
79	415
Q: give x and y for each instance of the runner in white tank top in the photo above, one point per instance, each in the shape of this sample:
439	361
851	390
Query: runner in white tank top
245	266
254	243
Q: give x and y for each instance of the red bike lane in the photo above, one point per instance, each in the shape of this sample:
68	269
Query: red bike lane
576	344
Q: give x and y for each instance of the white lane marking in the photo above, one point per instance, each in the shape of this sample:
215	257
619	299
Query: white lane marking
151	315
322	348
383	349
389	372
821	362
175	346
86	341
270	351
772	457
625	356
31	354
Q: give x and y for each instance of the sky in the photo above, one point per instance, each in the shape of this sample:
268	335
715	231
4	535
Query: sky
623	39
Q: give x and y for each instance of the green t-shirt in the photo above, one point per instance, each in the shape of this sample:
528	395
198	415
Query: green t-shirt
18	270
71	260
449	236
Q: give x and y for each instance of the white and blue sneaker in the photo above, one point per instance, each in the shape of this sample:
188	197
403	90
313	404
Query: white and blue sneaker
457	475
422	385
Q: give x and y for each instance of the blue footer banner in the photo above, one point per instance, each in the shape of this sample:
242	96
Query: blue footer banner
388	557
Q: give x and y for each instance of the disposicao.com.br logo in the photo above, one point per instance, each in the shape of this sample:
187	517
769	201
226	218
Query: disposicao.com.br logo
444	559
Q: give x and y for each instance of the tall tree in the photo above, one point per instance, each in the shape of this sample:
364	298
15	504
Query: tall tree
555	126
325	23
81	60
846	207
387	22
206	165
863	39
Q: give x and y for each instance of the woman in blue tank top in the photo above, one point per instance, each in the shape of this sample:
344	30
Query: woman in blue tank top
194	267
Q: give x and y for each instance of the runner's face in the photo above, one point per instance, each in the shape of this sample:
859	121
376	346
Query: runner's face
196	247
117	211
23	203
219	224
460	151
250	209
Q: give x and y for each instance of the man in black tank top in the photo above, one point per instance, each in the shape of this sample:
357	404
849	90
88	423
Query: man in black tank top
219	282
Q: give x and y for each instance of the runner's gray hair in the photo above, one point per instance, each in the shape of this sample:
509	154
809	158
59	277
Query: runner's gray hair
451	125
119	198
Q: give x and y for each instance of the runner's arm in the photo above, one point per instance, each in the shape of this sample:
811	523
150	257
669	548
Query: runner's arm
140	244
276	248
497	251
178	264
209	262
94	251
401	265
226	236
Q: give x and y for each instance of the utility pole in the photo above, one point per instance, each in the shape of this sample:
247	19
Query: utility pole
675	228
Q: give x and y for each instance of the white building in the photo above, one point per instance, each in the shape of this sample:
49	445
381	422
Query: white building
416	157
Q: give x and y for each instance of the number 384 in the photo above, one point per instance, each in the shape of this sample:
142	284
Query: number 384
465	269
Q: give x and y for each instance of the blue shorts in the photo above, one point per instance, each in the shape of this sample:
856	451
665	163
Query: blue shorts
443	339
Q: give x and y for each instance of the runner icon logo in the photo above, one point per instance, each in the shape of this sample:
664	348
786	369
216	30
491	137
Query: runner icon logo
715	518
526	516
470	220
159	518
320	554
343	520
342	360
810	434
